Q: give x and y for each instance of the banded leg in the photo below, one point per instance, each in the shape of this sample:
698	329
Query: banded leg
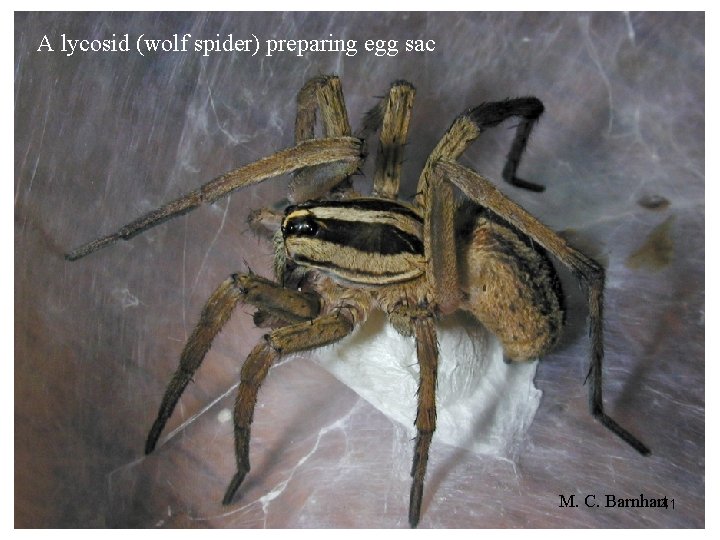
298	337
323	93
304	154
427	353
590	273
285	304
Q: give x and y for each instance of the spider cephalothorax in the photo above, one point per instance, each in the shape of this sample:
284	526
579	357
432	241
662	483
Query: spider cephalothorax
339	255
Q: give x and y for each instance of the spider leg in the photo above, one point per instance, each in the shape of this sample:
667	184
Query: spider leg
392	117
468	127
438	199
427	353
440	247
304	154
529	110
286	304
298	337
590	273
323	93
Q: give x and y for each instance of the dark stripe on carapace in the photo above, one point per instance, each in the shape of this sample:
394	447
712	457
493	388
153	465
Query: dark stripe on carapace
367	237
379	205
340	270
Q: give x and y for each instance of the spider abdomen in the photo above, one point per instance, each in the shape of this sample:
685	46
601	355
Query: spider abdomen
512	288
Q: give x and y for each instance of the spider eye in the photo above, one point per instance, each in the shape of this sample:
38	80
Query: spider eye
302	226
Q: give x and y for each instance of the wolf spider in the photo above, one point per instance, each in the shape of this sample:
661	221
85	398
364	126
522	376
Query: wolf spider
339	255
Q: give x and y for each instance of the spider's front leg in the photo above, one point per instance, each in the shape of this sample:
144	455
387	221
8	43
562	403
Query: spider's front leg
320	164
427	353
284	304
297	337
302	156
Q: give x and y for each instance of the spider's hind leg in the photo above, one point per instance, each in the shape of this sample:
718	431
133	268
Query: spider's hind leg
528	109
468	126
591	274
284	304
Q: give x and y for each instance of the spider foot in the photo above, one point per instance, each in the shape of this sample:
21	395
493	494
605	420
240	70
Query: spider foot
422	447
621	432
154	434
416	494
524	184
151	441
233	487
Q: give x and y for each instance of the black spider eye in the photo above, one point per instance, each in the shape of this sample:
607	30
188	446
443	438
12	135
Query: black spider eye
303	226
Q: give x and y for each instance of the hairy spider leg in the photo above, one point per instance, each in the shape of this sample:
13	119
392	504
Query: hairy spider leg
323	93
435	197
491	114
304	154
393	136
427	353
468	126
391	117
287	305
589	272
320	164
318	332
